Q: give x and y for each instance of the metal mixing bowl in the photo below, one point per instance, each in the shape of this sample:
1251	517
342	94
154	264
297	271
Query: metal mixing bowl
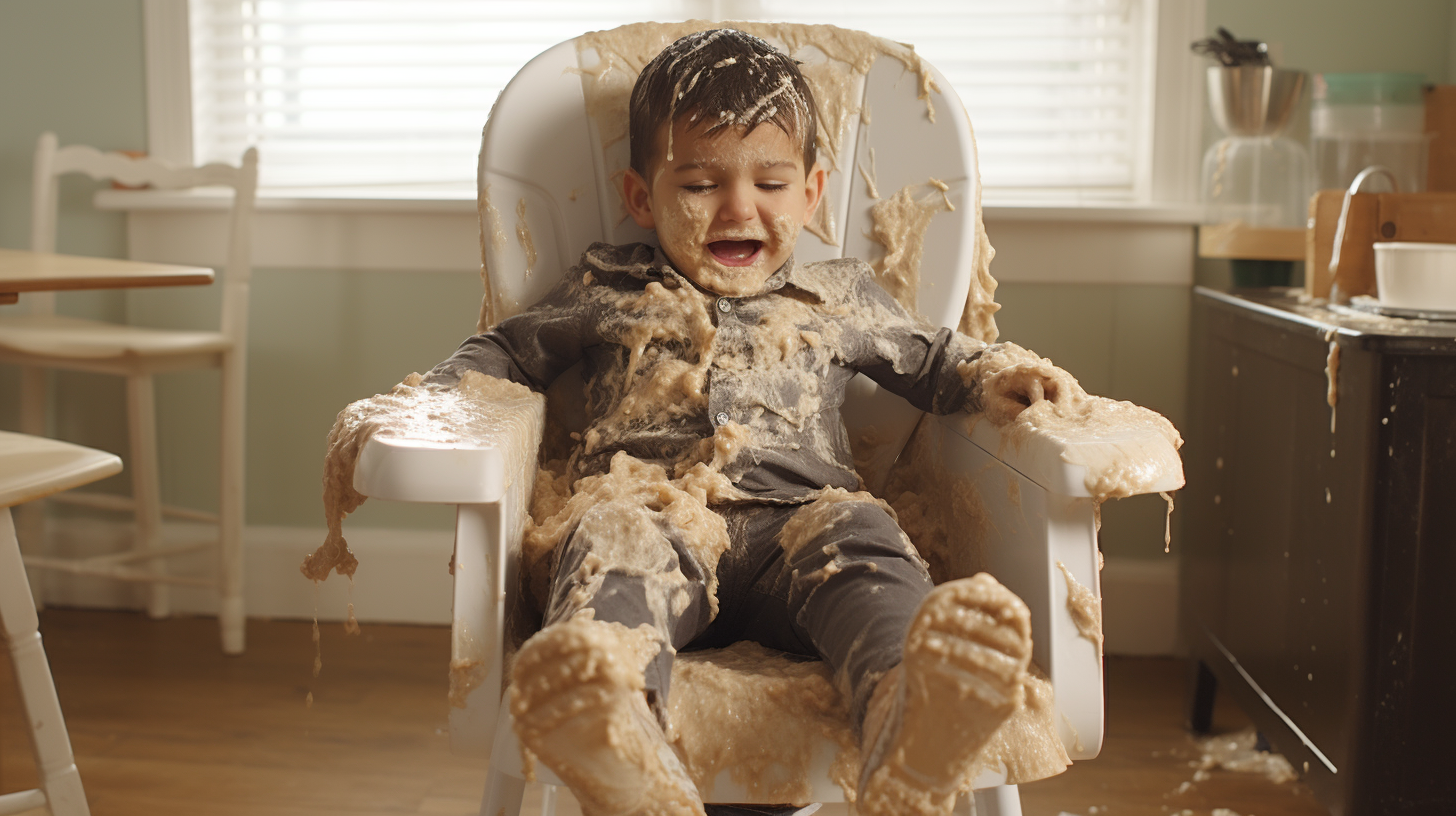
1253	100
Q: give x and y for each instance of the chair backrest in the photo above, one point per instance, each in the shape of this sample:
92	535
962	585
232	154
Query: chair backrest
554	150
52	161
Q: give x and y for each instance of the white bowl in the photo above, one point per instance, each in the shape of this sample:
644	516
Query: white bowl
1416	276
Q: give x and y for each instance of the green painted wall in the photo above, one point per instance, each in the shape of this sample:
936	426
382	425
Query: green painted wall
76	68
1347	35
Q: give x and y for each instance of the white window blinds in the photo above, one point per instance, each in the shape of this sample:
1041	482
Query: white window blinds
376	92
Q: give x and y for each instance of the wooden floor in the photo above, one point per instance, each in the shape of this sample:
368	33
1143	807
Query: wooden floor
163	724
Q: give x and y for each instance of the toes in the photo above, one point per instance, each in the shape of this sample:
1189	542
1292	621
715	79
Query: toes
965	656
974	626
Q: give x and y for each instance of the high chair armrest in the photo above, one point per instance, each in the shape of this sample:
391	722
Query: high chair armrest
412	470
469	455
1052	461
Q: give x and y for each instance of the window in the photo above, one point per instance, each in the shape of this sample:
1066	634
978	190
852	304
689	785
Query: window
378	92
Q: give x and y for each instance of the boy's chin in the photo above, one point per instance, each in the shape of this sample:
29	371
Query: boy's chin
730	281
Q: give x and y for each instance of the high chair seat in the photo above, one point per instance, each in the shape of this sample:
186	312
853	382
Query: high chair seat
32	468
77	338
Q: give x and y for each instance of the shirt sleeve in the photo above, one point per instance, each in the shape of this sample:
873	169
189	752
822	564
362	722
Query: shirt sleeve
906	355
532	348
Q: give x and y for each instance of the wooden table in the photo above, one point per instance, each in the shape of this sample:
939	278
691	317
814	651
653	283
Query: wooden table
25	271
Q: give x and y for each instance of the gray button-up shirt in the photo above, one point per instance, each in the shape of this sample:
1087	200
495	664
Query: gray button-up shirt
677	375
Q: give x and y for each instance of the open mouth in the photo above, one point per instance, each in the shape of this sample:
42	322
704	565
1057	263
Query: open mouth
735	253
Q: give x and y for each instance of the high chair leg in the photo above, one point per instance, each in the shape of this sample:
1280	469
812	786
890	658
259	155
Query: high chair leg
30	518
141	412
231	616
548	800
503	794
55	765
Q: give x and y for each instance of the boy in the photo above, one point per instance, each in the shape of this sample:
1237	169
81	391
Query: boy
714	491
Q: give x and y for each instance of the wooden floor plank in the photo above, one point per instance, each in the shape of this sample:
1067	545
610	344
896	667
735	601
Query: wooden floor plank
163	724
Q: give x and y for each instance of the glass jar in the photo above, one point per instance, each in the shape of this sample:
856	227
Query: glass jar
1256	181
1359	120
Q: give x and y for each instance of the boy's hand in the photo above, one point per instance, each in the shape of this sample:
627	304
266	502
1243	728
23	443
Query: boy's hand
1008	392
1008	379
1027	386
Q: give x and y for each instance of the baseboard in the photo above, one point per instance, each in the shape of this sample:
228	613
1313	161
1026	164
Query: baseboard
1140	607
403	575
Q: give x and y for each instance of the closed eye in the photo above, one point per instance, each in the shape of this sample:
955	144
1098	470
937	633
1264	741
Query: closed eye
700	188
773	186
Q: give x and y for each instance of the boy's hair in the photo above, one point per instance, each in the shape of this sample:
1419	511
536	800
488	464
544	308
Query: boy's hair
720	78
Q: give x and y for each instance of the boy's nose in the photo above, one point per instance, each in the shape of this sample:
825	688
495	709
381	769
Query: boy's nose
739	206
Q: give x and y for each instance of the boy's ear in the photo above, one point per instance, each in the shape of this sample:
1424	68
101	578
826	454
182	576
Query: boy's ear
638	197
814	182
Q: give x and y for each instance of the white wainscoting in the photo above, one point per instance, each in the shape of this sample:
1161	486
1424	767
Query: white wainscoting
403	576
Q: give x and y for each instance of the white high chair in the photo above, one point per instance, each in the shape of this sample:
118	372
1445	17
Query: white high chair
32	468
541	148
39	340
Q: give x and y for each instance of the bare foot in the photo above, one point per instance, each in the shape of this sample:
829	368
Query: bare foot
965	656
576	695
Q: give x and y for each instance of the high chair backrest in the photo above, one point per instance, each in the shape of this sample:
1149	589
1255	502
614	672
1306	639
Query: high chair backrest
555	148
52	161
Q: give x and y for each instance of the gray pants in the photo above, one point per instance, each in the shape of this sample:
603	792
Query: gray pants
845	595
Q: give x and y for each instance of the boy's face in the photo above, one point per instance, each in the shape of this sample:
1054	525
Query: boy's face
727	208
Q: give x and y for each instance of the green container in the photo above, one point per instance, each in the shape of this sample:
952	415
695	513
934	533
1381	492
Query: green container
1369	89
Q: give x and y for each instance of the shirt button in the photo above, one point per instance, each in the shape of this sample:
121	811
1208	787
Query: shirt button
721	418
724	305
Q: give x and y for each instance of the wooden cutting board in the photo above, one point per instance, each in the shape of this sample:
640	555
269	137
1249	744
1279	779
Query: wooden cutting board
1441	124
1414	217
1240	241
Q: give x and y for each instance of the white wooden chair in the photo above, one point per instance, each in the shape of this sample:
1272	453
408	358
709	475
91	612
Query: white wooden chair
31	468
39	340
541	148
